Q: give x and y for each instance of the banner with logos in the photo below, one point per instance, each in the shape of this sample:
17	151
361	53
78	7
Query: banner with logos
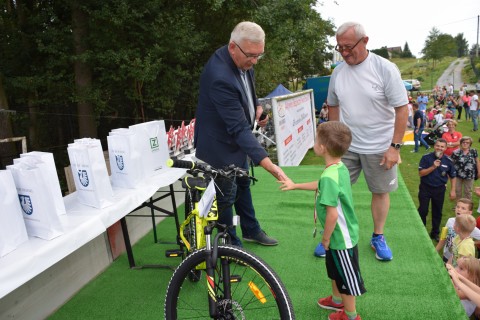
295	126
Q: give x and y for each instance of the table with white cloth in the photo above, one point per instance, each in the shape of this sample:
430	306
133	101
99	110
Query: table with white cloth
81	225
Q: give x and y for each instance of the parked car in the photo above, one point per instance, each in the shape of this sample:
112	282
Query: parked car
416	85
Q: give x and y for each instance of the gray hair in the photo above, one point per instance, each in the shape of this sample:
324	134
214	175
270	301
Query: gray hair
357	27
249	31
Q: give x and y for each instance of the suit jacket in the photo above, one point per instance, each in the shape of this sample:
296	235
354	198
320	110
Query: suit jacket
223	129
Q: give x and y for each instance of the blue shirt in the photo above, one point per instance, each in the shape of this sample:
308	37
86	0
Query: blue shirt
422	103
439	176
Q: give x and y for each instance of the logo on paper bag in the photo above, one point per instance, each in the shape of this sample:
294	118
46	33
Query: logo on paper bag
120	163
26	203
154	143
83	177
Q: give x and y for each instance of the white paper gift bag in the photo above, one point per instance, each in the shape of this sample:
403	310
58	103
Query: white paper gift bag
51	176
125	159
152	141
12	227
38	210
90	173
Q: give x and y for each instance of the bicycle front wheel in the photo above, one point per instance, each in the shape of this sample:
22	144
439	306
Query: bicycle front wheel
247	288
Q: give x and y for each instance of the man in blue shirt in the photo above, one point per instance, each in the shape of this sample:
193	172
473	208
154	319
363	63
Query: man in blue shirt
419	125
435	168
422	101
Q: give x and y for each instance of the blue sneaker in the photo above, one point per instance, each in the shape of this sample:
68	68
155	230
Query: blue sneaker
382	251
320	251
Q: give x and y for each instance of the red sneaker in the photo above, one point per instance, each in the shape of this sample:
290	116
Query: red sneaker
327	303
341	315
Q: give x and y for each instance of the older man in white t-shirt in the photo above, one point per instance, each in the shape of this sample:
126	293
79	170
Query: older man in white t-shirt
367	93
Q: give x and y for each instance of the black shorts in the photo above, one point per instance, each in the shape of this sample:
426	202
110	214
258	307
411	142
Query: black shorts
344	269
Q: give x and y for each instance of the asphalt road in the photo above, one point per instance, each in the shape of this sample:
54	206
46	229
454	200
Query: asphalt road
453	74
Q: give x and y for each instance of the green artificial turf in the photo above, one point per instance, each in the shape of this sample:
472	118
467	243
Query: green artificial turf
414	285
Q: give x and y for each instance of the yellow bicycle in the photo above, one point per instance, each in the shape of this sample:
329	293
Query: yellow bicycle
217	280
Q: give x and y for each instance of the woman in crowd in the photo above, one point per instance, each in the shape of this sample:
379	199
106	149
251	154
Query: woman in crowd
467	165
452	137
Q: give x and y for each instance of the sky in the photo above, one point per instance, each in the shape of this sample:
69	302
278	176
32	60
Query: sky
391	23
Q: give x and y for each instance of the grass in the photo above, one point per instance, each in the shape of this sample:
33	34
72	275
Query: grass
414	285
422	70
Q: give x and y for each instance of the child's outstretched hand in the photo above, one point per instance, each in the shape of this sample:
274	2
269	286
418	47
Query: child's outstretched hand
286	185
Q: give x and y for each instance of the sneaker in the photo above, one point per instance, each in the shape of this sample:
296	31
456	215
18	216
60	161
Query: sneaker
427	148
262	239
382	251
327	303
319	251
413	151
341	315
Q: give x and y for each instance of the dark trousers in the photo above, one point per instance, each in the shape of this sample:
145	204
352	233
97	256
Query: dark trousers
459	109
237	193
436	195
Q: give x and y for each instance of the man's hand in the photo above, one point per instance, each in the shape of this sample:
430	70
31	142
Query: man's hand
453	195
390	158
258	114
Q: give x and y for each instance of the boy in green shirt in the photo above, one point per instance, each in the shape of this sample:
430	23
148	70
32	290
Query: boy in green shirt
334	206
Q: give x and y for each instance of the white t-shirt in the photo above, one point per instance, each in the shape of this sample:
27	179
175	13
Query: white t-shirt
448	248
474	102
367	94
438	118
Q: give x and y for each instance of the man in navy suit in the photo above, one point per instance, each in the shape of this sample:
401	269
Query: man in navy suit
226	112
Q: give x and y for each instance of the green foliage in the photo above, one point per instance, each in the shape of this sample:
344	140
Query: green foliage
406	53
438	46
296	47
462	45
383	52
145	57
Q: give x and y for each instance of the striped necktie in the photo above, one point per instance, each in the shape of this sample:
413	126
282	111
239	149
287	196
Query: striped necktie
251	107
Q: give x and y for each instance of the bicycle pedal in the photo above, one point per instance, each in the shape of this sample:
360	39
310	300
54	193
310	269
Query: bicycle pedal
235	278
173	253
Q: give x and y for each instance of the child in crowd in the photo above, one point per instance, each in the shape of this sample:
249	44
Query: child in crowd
324	113
464	206
469	267
469	288
438	118
334	206
430	114
463	245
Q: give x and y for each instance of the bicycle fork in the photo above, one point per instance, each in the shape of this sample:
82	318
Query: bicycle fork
211	262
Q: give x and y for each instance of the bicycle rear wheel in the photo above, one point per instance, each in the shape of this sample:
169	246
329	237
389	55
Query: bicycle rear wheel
256	290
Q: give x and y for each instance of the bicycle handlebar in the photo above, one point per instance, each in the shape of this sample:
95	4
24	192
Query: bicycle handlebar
228	171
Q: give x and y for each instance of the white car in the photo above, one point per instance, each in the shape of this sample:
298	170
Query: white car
416	85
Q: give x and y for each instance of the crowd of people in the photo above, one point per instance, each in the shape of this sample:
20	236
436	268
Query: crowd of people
453	159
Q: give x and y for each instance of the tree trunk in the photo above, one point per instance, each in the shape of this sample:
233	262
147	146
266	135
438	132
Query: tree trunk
8	150
83	74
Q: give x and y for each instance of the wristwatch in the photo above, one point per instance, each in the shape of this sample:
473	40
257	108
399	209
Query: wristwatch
396	145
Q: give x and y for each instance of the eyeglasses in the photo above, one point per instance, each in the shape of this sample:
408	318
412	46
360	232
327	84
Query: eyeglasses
248	55
466	142
345	48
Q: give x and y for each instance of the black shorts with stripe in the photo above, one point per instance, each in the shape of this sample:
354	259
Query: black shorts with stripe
344	269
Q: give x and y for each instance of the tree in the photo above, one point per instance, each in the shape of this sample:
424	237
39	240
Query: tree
382	52
439	45
296	46
81	68
462	45
406	52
